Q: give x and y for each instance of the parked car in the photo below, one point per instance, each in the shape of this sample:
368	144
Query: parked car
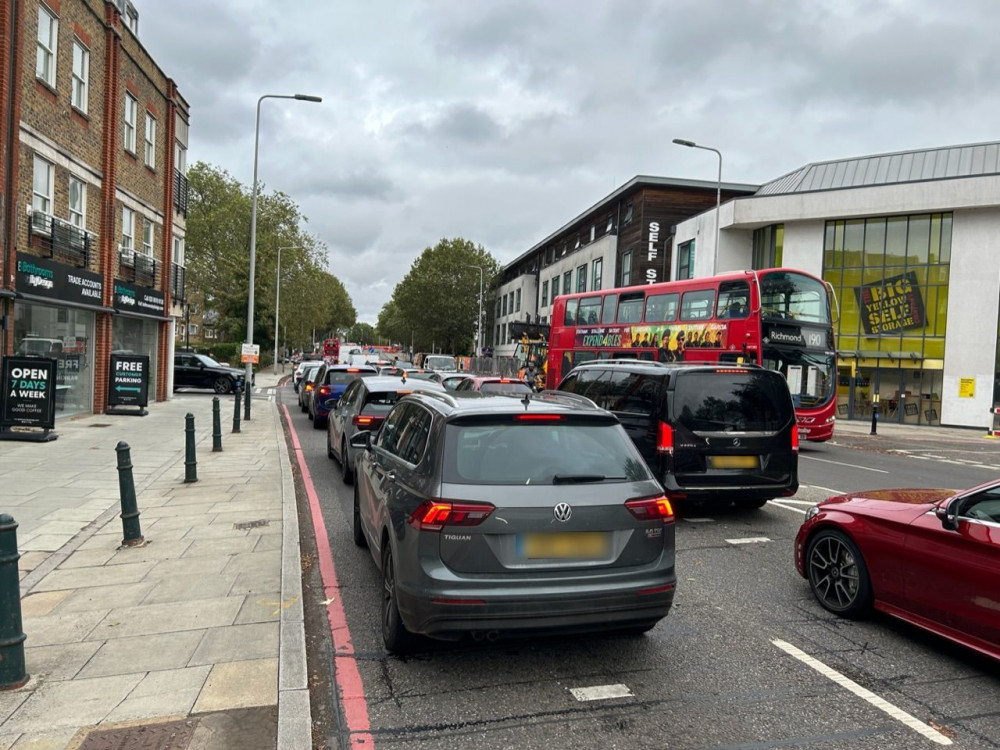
494	384
307	382
329	384
201	371
712	434
300	370
926	556
499	516
364	406
452	380
439	362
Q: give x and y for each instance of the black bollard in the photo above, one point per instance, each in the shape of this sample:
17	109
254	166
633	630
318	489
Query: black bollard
126	490
190	459
216	426
874	418
12	674
236	410
247	387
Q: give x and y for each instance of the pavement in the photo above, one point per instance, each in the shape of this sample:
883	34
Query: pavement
197	637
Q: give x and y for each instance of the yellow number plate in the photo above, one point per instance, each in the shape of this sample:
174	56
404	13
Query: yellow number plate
570	544
733	462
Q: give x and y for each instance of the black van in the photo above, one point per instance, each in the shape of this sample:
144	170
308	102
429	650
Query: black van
714	433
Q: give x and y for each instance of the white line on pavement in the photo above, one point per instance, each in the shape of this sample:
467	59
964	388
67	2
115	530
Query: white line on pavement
749	540
825	489
601	692
840	463
700	520
794	501
879	703
778	504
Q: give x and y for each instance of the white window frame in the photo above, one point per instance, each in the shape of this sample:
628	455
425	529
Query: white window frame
150	149
41	195
180	157
78	212
147	238
128	229
179	251
131	113
48	47
80	86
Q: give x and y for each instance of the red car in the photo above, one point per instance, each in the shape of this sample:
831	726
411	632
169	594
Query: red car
494	384
930	557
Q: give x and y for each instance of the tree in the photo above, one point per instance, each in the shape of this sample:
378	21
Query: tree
362	333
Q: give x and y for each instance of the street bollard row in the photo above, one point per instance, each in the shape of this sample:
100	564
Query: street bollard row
131	532
236	410
190	459
216	426
12	671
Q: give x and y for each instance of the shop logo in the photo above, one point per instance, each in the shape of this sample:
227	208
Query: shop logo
125	296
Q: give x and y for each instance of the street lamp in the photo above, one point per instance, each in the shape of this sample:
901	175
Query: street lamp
479	321
277	299
253	229
718	195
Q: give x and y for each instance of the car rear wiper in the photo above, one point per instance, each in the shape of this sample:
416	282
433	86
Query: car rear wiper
580	478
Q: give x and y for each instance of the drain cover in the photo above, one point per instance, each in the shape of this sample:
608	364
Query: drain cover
171	735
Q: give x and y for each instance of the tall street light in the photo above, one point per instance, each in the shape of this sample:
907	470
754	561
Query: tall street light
277	299
479	322
253	230
718	195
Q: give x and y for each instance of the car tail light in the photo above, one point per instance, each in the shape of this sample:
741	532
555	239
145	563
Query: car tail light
309	386
363	421
324	390
434	515
656	589
795	439
651	508
665	439
537	418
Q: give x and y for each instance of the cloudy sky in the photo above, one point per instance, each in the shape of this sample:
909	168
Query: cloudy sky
500	120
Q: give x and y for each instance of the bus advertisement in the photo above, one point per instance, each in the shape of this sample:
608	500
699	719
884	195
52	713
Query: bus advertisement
778	318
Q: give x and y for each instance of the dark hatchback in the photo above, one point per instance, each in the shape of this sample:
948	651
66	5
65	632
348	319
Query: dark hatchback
718	435
329	384
201	371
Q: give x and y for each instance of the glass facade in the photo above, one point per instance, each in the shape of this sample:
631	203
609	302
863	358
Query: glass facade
768	244
890	277
136	336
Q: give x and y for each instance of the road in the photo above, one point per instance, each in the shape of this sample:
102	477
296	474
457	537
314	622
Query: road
724	670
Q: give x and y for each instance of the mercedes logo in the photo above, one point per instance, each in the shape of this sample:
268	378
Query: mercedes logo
562	512
736	442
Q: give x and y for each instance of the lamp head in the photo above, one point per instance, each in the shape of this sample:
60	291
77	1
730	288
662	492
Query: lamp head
308	98
682	142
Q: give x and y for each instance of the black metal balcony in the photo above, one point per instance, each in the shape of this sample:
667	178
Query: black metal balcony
138	268
59	240
178	292
180	193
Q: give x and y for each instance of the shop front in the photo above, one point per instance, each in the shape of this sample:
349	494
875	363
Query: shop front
136	327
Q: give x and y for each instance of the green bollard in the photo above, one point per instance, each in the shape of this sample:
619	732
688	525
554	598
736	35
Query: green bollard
190	459
126	489
246	401
12	674
216	426
236	410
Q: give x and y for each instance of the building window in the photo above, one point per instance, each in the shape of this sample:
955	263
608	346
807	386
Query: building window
629	209
81	76
578	243
128	228
179	251
768	244
193	329
593	233
498	333
48	36
555	287
545	293
626	277
131	113
41	190
517	301
598	270
611	224
180	158
150	140
147	238
498	308
77	203
504	305
685	260
581	278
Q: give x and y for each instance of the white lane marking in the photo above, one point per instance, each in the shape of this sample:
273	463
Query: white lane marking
840	463
778	504
601	692
700	520
825	489
879	703
793	501
749	540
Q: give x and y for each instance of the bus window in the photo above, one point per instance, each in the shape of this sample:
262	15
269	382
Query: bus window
697	305
661	308
570	318
590	311
734	299
630	309
608	312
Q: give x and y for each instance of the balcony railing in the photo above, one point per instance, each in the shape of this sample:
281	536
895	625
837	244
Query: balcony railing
60	240
178	292
138	268
180	193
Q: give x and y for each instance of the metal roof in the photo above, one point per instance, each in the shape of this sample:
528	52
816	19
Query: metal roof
886	169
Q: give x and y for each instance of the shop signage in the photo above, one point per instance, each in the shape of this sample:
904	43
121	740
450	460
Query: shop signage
128	380
29	392
250	353
892	304
966	387
138	299
652	252
43	277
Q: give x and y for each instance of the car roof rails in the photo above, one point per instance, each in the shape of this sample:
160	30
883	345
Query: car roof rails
563	397
626	361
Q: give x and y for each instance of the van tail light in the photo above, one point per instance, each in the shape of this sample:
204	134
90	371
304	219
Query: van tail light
665	439
795	439
434	515
652	508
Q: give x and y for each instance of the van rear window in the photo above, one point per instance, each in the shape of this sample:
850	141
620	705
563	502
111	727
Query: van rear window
732	402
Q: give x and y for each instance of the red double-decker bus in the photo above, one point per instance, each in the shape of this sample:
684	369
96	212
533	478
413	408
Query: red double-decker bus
331	350
779	318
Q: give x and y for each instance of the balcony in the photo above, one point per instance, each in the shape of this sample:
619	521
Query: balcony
178	292
180	193
59	240
138	268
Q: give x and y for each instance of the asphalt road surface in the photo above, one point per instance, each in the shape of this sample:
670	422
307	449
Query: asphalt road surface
746	658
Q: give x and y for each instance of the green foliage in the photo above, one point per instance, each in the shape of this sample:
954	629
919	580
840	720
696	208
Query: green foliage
437	302
362	333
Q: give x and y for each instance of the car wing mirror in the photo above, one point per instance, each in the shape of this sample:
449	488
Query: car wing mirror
946	513
362	439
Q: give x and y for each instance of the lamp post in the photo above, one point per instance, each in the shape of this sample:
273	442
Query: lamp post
253	222
718	195
479	321
277	300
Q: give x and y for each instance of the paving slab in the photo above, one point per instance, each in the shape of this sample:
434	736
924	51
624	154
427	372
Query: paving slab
42	603
70	704
237	643
145	653
150	619
72	627
62	661
240	685
107	597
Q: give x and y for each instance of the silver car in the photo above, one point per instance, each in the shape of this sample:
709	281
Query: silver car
492	515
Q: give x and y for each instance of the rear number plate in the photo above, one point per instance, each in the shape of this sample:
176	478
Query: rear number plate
570	544
733	462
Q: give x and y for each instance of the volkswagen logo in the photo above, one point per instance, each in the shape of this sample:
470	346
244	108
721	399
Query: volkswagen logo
562	512
736	442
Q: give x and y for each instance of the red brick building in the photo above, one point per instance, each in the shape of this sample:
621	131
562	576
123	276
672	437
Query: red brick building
93	198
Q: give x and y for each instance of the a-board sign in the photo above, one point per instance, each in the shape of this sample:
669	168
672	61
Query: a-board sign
29	392
128	380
